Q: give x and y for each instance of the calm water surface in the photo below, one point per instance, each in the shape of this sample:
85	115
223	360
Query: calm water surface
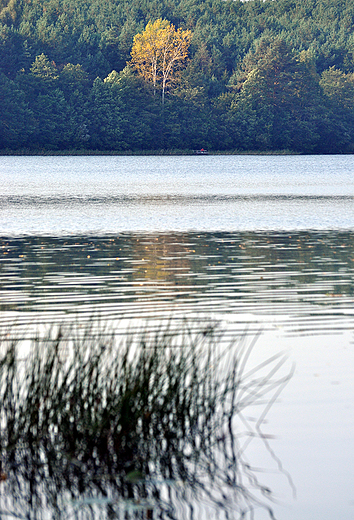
258	243
99	195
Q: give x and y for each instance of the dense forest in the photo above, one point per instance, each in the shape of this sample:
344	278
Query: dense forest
257	76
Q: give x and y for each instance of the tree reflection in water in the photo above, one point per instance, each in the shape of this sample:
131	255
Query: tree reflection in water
93	426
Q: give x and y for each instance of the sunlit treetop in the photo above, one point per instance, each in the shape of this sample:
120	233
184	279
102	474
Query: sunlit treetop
159	52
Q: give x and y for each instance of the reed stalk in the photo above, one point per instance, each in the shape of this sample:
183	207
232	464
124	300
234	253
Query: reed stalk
94	425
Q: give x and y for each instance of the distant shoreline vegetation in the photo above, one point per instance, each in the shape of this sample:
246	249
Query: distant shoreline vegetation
78	153
139	77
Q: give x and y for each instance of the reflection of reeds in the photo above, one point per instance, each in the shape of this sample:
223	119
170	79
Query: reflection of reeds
141	424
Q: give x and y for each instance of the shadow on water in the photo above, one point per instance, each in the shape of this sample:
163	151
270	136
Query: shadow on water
150	426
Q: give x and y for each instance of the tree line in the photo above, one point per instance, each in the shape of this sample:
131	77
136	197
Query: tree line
144	75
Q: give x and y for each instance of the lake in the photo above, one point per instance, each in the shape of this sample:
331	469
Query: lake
254	243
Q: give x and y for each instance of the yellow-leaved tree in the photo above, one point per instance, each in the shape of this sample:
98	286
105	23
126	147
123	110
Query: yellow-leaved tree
158	53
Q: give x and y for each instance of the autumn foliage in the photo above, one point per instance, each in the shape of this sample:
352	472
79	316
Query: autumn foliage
159	52
261	75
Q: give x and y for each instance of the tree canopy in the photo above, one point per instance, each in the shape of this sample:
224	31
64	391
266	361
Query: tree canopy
158	53
256	75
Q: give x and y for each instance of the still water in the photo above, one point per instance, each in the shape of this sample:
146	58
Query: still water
95	195
256	243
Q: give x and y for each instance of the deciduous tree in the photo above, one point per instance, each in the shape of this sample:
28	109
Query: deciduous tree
159	52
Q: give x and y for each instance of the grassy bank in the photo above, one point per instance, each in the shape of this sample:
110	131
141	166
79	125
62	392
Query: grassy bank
97	425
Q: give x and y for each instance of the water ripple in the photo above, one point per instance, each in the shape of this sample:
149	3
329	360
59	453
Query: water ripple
302	282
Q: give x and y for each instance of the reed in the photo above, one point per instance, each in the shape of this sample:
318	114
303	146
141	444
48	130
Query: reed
94	423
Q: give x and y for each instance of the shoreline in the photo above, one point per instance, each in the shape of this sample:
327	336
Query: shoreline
84	152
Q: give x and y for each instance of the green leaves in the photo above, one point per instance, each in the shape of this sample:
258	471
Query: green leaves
277	96
16	118
44	69
284	67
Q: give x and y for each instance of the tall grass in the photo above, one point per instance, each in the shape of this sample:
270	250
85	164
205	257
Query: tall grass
93	426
